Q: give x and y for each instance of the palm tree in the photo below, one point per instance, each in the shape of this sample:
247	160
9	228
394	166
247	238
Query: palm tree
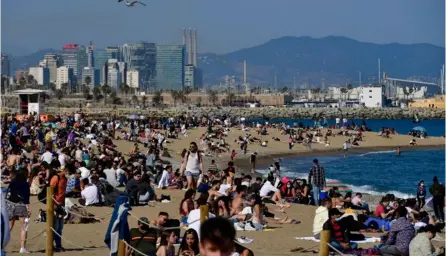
22	82
96	93
284	90
230	98
349	87
199	101
144	100
405	93
105	91
212	97
157	98
174	95
4	83
30	79
53	87
86	91
343	91
135	99
411	91
64	88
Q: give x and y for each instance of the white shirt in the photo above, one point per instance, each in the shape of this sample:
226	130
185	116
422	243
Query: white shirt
77	116
224	188
85	173
193	165
90	194
338	120
78	154
194	220
47	157
164	181
61	158
320	218
111	177
267	188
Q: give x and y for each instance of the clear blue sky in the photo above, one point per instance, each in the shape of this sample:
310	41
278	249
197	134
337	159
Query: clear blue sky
223	26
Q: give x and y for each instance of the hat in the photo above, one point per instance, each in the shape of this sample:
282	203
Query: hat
60	169
143	220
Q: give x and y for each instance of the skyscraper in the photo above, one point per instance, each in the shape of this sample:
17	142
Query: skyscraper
5	65
93	74
75	57
41	75
142	58
90	55
189	76
170	66
52	62
64	75
114	76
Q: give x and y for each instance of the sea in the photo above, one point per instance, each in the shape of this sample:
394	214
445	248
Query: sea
377	172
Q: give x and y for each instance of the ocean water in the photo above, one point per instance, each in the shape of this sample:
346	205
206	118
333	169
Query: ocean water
434	127
376	173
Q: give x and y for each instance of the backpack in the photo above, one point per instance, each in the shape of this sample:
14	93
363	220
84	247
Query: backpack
42	194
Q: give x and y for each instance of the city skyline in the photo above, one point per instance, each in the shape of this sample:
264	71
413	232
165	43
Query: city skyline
224	26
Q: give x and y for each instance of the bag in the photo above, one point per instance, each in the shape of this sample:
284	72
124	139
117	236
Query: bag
42	194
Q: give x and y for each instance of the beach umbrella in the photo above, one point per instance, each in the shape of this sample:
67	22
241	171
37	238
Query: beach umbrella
419	129
133	117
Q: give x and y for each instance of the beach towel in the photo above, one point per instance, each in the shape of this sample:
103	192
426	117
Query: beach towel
118	227
367	239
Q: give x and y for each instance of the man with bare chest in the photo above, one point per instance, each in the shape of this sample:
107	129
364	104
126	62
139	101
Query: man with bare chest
238	200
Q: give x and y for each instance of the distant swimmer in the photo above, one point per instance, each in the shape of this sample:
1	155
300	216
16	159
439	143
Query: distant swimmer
398	151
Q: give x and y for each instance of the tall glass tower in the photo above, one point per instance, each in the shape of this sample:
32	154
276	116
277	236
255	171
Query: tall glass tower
142	58
170	66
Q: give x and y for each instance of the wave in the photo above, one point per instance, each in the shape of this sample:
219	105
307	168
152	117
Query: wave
378	152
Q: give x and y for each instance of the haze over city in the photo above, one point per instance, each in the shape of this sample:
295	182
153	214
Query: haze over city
223	26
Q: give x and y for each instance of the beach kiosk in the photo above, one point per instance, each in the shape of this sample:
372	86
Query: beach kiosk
31	101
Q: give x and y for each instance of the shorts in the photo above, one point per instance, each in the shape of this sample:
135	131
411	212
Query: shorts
16	210
195	176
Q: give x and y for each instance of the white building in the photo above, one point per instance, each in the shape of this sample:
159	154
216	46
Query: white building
122	67
133	79
41	75
189	76
114	76
64	75
336	94
417	93
372	96
93	74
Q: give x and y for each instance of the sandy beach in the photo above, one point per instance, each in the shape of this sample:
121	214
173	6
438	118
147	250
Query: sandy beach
277	241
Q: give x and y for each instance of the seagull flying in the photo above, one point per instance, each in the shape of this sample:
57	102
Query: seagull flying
132	3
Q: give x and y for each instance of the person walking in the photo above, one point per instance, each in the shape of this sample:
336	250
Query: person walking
438	193
59	183
316	178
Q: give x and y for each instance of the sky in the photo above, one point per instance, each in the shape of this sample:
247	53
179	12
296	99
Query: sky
222	26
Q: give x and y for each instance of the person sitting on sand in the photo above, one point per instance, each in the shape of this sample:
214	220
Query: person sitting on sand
187	205
381	209
400	235
142	238
321	216
413	142
268	190
358	203
340	237
189	244
214	190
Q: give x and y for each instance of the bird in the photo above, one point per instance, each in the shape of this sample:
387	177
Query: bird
132	3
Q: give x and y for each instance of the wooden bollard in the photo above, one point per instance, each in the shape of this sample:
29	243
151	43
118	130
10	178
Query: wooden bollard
121	248
49	220
204	213
324	250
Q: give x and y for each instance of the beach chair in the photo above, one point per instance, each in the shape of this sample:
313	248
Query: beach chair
337	251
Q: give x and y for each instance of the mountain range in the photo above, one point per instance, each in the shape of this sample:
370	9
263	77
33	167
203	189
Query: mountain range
335	59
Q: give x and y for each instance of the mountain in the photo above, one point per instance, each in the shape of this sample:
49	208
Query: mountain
336	59
24	62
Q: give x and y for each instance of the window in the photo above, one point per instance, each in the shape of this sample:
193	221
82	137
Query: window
370	97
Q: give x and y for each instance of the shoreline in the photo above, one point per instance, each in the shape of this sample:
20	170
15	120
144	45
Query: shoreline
264	160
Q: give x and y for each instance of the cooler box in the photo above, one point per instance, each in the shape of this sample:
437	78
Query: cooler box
323	194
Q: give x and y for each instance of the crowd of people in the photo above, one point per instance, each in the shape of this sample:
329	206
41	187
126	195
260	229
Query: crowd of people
80	160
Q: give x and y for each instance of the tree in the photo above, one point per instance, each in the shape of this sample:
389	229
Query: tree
86	91
135	99
212	97
30	79
124	88
59	94
411	90
22	82
405	93
230	98
174	95
4	83
144	100
349	87
284	90
199	101
96	93
53	87
182	96
157	98
343	91
105	91
64	88
88	81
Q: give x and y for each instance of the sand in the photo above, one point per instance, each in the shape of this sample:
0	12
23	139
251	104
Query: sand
278	241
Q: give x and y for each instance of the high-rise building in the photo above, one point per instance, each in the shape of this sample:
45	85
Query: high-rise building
93	74
122	67
41	75
75	57
100	60
189	76
5	65
64	75
114	52
114	76
21	74
141	57
90	55
133	79
170	66
52	62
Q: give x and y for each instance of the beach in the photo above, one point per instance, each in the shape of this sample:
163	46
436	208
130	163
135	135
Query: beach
275	241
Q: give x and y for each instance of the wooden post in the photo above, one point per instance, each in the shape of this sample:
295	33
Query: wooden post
325	239
204	212
49	220
121	248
